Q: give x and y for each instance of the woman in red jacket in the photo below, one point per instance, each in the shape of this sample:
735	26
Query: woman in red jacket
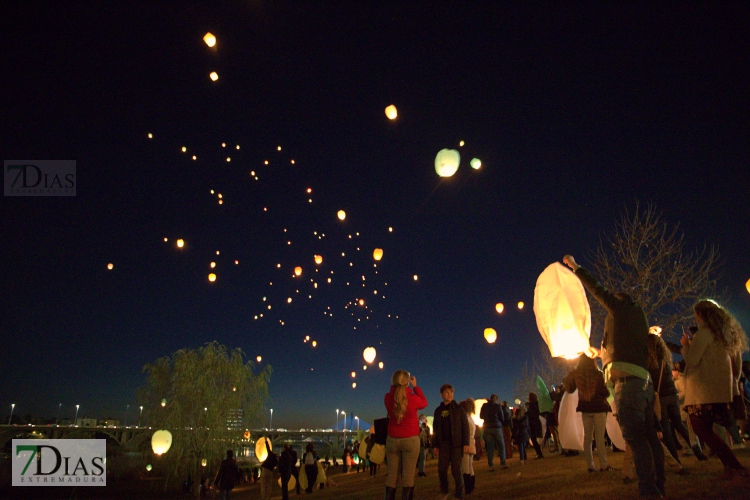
402	445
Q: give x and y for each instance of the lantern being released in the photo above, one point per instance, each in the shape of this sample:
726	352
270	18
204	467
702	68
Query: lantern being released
563	315
391	112
490	335
261	453
446	162
161	441
369	354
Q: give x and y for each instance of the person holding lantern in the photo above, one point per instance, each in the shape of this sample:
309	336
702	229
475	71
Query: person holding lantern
623	352
402	443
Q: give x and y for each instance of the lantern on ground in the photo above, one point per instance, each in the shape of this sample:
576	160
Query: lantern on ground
297	271
490	335
369	354
161	441
391	112
499	307
341	215
210	39
446	162
377	254
291	485
563	315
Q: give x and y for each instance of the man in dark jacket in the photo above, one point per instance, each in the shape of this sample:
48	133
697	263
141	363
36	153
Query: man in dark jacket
623	352
227	475
287	469
493	417
450	440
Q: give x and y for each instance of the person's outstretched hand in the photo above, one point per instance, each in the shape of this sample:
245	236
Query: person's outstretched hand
570	262
413	381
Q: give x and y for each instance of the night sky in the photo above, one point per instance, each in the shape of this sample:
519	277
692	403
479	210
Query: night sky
576	112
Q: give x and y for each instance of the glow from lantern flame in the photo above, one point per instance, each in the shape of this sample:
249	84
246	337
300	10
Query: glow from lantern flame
180	243
259	359
490	335
297	271
209	39
377	254
380	365
499	307
520	305
214	76
212	277
341	215
655	330
369	354
318	259
110	266
391	112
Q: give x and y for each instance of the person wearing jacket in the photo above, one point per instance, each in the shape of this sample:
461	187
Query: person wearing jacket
450	440
535	425
507	429
623	352
713	360
402	444
492	415
520	429
287	469
593	406
227	475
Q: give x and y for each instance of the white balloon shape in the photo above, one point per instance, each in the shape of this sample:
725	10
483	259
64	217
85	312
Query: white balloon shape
161	441
475	163
369	354
446	162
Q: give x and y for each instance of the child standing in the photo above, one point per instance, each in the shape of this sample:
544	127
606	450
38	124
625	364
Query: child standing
450	440
521	431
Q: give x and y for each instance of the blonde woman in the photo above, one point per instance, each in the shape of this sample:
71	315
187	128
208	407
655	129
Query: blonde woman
713	359
402	445
467	462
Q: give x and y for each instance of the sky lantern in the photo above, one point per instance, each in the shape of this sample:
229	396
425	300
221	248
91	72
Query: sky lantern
212	277
490	335
149	467
318	259
461	144
297	271
391	112
110	266
214	76
369	354
475	163
161	441
259	359
150	135
377	254
747	285
341	215
446	162
499	307
315	343
180	243
354	385
520	305
354	374
213	264
416	278
380	365
563	314
261	453
184	149
210	39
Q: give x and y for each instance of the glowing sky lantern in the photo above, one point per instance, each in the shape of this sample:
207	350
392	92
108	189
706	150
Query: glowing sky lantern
377	254
499	307
297	271
563	315
161	441
212	277
318	259
315	343
180	243
391	112
475	163
213	264
354	374
341	215
214	76
380	365
261	453
149	467
369	354
184	149
747	285
259	359
461	144
110	266
490	335
416	278
210	39
150	135
354	385
446	162
520	305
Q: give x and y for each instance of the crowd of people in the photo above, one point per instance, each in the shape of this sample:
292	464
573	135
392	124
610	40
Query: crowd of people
653	398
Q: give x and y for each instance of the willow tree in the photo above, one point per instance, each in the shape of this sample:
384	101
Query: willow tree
647	259
192	393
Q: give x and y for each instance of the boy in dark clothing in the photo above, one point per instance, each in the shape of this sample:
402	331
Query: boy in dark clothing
450	440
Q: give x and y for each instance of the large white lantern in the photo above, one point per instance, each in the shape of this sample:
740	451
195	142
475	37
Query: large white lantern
446	162
161	441
562	311
369	354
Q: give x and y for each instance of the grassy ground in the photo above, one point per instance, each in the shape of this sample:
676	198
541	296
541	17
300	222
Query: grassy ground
554	477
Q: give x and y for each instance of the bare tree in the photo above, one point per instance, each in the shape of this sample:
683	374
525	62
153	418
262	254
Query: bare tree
647	259
552	370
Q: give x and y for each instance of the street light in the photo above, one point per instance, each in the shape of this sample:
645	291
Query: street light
337	419
344	413
58	413
12	407
127	410
270	425
76	419
139	416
